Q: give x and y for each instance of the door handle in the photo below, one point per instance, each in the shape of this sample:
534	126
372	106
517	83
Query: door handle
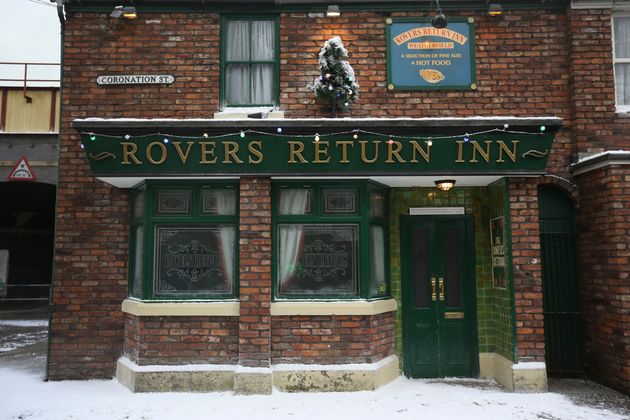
433	294
441	288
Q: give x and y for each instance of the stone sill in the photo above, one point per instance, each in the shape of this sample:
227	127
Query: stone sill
231	308
138	308
333	308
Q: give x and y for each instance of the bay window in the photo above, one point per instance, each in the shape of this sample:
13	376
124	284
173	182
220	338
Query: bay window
184	240
330	240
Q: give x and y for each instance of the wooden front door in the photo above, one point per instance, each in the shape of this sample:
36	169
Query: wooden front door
438	291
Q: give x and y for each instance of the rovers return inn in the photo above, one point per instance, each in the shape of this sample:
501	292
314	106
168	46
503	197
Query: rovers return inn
467	216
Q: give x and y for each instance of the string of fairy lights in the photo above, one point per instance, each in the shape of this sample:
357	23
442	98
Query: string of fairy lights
356	133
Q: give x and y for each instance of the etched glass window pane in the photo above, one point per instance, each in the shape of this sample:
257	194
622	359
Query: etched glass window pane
377	204
452	275
340	200
138	263
318	260
377	254
194	260
138	205
173	202
295	201
420	256
218	202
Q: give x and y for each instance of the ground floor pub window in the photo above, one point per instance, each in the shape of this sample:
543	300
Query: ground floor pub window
184	241
330	240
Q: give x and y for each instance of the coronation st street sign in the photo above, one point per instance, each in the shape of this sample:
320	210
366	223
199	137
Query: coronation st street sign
499	153
135	79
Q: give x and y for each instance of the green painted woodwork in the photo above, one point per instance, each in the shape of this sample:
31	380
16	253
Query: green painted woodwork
318	216
563	335
276	60
335	154
437	281
495	319
145	219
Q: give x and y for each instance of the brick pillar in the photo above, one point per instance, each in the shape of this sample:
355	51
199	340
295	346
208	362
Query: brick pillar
254	334
528	295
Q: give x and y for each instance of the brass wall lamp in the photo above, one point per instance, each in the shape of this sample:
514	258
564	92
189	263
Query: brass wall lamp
445	184
126	12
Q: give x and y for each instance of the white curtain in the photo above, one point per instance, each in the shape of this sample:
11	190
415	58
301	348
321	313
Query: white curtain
291	202
247	84
622	51
378	257
226	205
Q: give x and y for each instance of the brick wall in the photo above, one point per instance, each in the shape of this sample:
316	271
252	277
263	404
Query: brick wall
332	339
174	340
597	126
254	335
528	297
604	264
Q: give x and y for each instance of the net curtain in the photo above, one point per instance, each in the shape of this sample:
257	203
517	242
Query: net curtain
249	82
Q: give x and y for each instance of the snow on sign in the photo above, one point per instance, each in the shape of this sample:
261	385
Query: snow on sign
22	171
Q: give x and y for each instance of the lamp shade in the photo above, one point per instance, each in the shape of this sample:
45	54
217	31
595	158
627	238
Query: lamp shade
445	184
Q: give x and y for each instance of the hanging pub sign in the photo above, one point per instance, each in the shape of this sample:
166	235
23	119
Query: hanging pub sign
421	57
497	245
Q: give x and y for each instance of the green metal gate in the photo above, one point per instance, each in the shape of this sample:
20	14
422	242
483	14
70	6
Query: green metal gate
563	335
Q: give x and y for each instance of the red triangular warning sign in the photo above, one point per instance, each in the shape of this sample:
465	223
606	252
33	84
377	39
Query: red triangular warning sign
22	171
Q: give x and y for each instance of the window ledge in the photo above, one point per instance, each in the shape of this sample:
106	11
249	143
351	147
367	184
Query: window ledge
137	308
333	308
243	113
623	110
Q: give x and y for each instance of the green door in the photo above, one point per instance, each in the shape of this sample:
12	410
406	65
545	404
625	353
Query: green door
439	323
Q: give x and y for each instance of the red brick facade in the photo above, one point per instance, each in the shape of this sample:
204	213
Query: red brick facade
604	261
331	340
529	63
177	340
254	334
530	326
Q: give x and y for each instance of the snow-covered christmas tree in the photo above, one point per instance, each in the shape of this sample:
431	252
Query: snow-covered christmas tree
336	84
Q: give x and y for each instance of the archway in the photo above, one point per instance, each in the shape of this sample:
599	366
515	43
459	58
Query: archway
563	334
27	218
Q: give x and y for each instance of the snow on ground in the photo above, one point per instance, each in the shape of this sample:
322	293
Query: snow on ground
24	395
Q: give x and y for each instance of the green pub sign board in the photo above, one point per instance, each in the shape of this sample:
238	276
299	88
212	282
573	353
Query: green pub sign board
421	57
334	154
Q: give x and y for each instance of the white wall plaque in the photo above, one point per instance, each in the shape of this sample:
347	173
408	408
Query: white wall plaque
135	79
428	211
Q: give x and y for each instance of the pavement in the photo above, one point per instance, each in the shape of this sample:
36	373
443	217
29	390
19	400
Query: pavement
23	344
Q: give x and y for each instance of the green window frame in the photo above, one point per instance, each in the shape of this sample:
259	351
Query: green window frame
325	244
184	241
249	62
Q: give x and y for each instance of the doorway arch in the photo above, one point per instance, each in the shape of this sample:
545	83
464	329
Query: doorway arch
563	334
27	218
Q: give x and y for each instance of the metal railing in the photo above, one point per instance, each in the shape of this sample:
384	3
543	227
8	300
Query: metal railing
25	78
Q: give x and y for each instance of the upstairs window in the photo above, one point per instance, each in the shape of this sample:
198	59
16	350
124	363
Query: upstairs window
621	35
250	61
